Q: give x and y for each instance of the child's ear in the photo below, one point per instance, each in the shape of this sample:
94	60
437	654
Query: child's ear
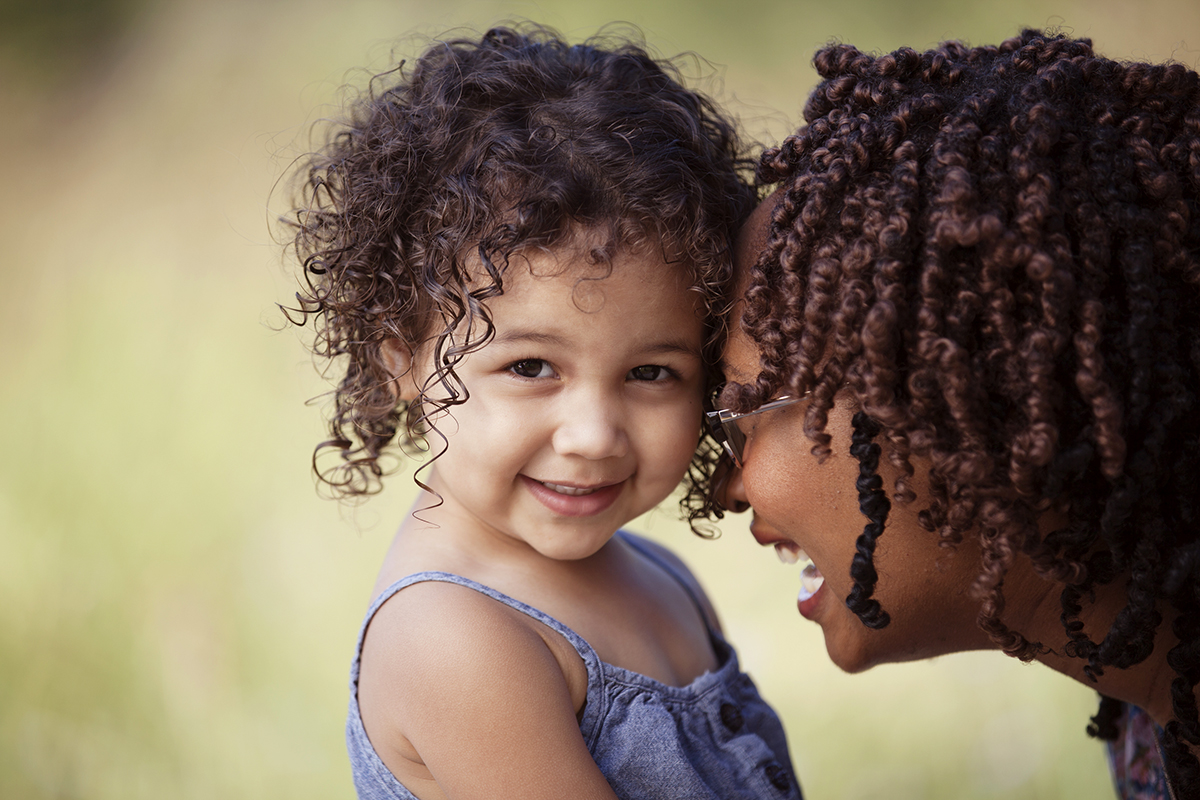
398	358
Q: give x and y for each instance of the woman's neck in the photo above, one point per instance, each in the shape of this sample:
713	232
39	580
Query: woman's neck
1146	684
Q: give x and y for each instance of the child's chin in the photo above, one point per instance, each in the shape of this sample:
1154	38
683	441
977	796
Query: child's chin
571	547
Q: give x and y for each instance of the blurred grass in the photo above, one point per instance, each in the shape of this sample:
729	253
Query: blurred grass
177	606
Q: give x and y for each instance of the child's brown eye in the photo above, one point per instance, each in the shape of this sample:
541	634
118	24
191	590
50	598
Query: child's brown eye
531	368
649	372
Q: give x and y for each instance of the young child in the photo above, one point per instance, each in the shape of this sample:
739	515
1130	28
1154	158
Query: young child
516	248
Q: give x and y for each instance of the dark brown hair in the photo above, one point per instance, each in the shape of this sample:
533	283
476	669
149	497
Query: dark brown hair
997	249
479	149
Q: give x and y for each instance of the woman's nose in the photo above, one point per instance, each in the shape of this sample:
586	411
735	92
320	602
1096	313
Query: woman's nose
728	489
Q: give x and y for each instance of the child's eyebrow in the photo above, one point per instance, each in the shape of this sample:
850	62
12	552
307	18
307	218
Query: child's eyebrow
674	347
525	336
531	336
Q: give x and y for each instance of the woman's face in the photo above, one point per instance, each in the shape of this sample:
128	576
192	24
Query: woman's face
799	503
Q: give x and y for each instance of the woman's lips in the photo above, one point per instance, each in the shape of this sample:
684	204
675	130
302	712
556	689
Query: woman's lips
569	500
788	552
764	534
811	581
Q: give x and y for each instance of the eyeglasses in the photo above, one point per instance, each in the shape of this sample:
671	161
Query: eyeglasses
723	425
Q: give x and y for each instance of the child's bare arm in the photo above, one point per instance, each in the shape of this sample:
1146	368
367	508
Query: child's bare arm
465	692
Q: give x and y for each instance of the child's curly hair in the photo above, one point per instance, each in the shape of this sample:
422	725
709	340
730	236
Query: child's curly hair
444	170
997	249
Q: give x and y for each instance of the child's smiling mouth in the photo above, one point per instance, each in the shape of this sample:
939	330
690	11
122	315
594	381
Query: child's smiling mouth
567	500
573	491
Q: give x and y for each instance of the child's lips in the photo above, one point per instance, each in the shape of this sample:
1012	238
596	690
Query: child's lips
574	500
570	489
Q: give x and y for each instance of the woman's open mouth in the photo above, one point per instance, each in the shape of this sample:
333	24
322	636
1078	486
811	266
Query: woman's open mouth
811	578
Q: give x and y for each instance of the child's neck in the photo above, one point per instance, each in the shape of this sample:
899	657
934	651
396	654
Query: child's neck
632	613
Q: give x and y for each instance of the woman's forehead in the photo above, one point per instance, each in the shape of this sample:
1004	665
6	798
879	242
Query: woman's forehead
753	238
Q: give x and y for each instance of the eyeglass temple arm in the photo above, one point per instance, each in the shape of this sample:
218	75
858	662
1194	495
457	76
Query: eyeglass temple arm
726	415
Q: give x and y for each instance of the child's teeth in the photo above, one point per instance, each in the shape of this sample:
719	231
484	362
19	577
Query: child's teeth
569	490
810	581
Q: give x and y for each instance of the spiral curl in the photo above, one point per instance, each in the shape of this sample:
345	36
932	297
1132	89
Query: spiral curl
406	219
874	504
1000	246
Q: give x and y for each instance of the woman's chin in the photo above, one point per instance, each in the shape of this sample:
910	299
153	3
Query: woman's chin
851	658
852	646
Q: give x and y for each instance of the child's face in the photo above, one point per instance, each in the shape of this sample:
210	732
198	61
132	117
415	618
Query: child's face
584	411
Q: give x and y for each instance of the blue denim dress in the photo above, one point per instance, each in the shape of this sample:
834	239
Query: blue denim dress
714	739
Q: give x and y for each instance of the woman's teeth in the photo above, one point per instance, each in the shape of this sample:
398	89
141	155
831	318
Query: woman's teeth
790	552
573	491
810	577
810	581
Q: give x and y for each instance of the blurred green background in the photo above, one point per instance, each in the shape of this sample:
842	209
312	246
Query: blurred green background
177	605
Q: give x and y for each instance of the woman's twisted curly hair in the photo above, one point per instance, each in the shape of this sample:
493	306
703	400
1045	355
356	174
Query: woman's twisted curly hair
997	250
407	218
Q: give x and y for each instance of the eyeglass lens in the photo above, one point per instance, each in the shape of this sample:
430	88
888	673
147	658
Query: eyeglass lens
726	430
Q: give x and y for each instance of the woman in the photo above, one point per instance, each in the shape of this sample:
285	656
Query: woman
975	295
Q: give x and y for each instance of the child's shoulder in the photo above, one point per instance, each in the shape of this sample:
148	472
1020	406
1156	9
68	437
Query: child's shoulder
656	551
436	635
674	566
437	627
442	662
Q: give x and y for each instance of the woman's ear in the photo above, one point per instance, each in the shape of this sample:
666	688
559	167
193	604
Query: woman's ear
398	358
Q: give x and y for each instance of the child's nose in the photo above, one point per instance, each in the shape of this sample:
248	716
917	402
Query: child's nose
593	428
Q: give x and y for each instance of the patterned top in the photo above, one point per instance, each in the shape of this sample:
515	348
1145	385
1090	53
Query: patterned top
1135	758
